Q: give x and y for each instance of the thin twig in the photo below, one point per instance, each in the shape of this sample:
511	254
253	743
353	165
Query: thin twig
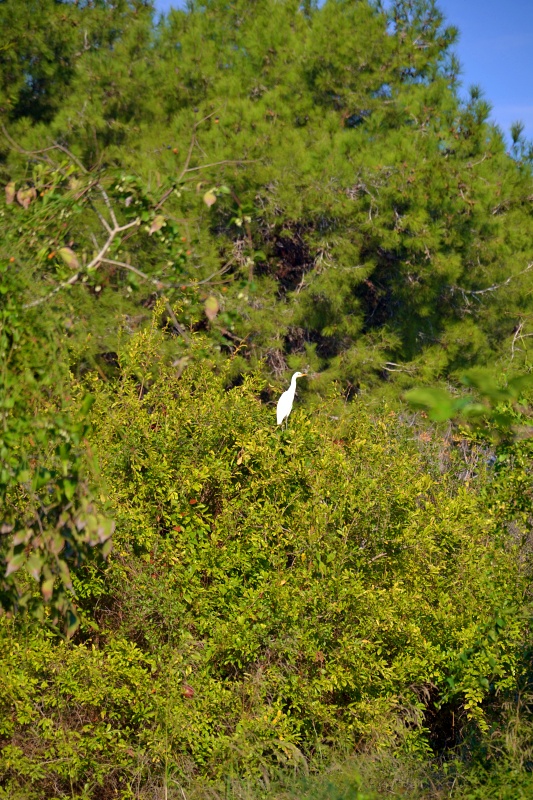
226	161
71	281
96	184
114	229
391	366
117	229
476	163
189	156
519	336
104	222
516	336
492	288
184	172
157	283
177	325
108	204
187	160
231	335
210	278
22	150
165	284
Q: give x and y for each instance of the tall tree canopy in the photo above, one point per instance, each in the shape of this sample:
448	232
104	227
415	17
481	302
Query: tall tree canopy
311	169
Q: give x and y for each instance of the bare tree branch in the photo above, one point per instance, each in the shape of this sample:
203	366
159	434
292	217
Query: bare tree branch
156	282
114	228
94	264
108	204
391	366
159	284
70	282
493	288
220	163
186	169
519	337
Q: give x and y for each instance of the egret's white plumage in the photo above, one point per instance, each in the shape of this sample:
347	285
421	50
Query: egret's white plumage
283	409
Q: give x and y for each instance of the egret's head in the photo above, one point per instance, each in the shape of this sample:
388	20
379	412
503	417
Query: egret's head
300	374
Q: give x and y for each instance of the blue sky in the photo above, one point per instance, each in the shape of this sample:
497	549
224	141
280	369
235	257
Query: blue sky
495	47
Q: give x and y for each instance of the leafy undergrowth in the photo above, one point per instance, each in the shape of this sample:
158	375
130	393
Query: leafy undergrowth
275	602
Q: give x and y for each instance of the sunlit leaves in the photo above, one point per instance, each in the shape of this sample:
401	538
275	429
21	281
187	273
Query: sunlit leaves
157	224
14	563
210	198
25	196
495	411
211	308
69	257
52	524
10	192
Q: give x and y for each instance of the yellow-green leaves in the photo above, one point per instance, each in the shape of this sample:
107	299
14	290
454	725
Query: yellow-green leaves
495	411
157	224
69	257
25	196
210	198
211	308
10	192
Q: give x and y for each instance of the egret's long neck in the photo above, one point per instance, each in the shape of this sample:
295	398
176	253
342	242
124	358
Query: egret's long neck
293	383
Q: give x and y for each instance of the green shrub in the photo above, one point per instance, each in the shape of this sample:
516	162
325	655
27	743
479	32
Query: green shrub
274	598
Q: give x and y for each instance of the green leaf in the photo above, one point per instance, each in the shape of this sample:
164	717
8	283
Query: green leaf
87	404
65	573
211	308
15	563
210	198
72	623
519	385
69	257
69	487
34	565
25	196
437	403
106	548
474	410
157	224
41	478
10	193
484	383
47	589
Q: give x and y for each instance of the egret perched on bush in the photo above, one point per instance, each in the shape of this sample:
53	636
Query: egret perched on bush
284	407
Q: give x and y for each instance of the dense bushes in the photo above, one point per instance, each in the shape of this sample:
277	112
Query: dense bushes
273	597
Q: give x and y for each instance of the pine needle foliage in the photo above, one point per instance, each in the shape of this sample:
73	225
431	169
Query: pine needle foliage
371	224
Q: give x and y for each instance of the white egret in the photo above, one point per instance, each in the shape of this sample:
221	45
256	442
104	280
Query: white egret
284	407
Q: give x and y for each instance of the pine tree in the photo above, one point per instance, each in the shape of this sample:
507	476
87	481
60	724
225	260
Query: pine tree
362	219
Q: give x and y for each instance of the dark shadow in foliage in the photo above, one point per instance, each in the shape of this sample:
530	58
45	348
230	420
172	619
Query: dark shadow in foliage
377	292
291	259
297	337
444	722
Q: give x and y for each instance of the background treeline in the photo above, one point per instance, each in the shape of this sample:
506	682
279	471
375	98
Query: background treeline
198	604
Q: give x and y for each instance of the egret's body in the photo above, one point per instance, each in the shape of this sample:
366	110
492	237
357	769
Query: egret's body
284	407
